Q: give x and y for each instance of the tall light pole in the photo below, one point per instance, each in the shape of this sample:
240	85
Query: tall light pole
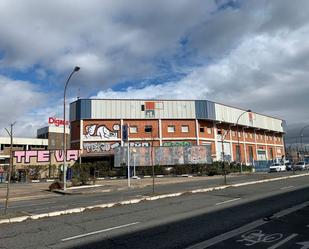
301	136
10	133
76	69
239	153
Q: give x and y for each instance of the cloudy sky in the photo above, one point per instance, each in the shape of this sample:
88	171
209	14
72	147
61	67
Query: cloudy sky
251	54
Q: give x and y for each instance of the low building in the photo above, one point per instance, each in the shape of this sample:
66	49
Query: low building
97	125
43	154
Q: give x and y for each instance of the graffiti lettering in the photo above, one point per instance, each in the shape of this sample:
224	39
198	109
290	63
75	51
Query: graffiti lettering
172	144
44	156
99	147
137	144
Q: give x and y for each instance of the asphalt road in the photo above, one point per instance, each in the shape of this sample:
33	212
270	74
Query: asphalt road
55	203
174	222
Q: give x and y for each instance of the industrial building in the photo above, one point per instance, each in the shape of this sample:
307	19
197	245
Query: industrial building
245	136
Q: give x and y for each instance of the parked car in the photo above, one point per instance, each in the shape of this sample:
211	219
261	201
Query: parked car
289	166
276	167
301	165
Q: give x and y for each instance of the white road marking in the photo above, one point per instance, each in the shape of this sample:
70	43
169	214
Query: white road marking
305	244
223	202
287	187
245	228
99	231
283	241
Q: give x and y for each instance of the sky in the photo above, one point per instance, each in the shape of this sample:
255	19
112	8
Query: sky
253	54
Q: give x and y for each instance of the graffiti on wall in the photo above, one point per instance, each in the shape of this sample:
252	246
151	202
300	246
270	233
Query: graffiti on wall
180	143
96	147
100	132
44	156
146	156
100	147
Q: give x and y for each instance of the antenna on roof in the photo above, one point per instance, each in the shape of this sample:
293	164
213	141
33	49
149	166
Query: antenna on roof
78	93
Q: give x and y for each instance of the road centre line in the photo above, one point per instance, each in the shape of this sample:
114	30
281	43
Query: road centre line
287	187
283	241
99	231
250	226
223	202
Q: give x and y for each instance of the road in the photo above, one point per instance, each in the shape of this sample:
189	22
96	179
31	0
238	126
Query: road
59	202
179	222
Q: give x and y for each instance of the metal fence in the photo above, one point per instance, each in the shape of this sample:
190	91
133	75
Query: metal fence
147	156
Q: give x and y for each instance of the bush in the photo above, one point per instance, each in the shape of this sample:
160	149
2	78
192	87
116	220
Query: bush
55	185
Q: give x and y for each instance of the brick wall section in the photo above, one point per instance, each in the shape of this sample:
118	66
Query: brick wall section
208	128
178	124
75	130
140	124
190	136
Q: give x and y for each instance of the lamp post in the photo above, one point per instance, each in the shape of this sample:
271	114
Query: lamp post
239	153
10	133
222	152
301	136
76	69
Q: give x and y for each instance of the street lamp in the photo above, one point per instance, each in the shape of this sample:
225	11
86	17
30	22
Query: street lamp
10	133
76	69
301	136
239	153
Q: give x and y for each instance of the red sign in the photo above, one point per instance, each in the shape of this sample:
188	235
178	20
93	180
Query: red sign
57	122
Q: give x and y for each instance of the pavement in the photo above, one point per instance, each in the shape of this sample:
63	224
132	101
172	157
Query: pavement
181	222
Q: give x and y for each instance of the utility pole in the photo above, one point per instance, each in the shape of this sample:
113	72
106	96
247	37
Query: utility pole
10	168
222	152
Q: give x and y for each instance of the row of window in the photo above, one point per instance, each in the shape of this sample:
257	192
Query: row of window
185	129
170	129
250	135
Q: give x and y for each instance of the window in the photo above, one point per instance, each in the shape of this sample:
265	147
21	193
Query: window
233	133
239	134
142	108
171	128
209	131
184	128
148	128
202	129
279	139
251	136
246	134
133	129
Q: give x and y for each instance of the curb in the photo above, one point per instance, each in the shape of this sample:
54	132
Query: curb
135	201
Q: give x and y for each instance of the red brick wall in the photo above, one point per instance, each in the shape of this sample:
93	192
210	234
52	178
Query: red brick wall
75	130
178	124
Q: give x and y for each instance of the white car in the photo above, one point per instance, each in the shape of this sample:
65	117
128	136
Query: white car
301	165
276	167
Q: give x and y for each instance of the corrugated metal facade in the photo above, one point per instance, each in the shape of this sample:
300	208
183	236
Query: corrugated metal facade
169	109
230	115
142	109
